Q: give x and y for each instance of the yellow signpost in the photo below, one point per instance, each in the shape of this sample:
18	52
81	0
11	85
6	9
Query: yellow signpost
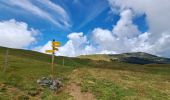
50	51
55	44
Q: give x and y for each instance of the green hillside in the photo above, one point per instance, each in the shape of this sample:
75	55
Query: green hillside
133	58
96	57
83	79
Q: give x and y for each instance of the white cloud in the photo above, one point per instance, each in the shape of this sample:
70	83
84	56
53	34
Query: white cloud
89	49
78	45
125	36
16	34
122	37
157	17
74	46
62	20
107	41
125	26
157	13
107	52
63	16
103	38
42	49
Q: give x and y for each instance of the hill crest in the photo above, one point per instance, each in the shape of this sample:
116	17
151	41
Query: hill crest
134	58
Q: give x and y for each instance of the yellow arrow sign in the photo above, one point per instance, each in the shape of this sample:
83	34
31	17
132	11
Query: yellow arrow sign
56	49
56	44
49	51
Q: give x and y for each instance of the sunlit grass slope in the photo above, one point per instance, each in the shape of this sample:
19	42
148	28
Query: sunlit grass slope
102	79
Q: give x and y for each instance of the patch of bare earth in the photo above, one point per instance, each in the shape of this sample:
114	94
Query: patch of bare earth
74	89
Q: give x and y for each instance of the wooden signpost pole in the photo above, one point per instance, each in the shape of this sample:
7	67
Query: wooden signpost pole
54	45
6	61
63	61
52	65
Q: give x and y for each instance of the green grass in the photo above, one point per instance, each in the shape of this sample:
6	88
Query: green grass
105	90
108	84
105	80
22	73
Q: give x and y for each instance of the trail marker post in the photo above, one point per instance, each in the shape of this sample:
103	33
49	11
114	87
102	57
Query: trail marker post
63	61
6	61
54	45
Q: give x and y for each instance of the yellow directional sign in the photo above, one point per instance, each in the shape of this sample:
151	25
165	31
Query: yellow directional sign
56	49
56	44
49	51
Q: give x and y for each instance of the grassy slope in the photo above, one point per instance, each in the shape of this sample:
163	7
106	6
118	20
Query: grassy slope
106	80
96	57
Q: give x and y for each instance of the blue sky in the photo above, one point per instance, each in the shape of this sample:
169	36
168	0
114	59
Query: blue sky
83	14
59	18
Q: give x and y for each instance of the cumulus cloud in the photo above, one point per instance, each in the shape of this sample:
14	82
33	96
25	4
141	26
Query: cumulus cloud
125	35
42	49
125	26
122	38
103	38
74	46
157	19
157	15
16	34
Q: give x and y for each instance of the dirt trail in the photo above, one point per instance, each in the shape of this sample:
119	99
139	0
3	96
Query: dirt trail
74	90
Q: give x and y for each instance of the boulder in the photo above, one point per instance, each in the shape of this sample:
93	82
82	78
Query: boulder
50	83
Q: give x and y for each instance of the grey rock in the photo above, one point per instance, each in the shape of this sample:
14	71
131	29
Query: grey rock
48	82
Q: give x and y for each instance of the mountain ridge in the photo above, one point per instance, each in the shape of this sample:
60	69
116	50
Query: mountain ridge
133	57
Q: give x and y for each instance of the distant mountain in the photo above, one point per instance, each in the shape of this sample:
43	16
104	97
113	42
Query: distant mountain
134	58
